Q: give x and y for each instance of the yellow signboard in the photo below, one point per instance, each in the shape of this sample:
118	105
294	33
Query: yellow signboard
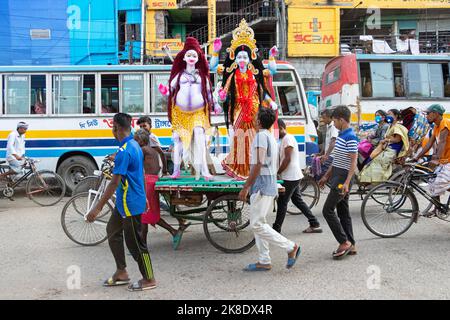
382	4
313	32
161	5
155	48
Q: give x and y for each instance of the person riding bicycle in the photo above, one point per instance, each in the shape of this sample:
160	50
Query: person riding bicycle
441	158
15	150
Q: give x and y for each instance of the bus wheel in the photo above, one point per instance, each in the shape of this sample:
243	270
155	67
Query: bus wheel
74	169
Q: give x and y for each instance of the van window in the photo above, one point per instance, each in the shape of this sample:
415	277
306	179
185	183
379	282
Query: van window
289	100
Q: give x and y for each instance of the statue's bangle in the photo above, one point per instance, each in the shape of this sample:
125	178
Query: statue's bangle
215	54
271	58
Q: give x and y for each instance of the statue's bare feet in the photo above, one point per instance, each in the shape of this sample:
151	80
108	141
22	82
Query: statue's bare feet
176	174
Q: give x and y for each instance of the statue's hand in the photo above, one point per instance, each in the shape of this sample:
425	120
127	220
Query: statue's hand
222	95
274	105
164	90
217	45
273	52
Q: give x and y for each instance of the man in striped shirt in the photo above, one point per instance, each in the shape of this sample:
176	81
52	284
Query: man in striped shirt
340	176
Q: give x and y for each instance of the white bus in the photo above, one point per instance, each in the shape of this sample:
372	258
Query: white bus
370	82
69	110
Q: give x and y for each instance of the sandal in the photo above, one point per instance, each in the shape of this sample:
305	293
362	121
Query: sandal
137	286
313	230
340	254
176	240
353	251
292	261
258	267
111	282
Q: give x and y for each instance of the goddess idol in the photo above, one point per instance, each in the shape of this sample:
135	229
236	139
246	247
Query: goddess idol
190	101
246	88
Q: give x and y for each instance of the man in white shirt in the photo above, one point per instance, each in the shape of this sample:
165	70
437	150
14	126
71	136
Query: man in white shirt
15	149
330	140
291	174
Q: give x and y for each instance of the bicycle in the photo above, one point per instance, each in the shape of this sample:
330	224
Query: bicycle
73	215
43	187
391	208
93	181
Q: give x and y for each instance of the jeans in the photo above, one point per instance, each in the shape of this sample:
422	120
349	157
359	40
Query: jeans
292	192
260	207
340	223
130	227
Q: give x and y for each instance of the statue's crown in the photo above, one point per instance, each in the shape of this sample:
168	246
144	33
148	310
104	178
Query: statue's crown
243	36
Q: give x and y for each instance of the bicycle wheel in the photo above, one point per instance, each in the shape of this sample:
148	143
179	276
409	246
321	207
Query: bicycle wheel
226	224
77	228
86	184
422	182
389	210
310	192
45	188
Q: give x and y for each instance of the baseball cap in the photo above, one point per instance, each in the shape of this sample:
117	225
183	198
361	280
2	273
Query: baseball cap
436	108
22	124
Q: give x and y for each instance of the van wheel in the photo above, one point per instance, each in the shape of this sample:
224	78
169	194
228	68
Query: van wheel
74	169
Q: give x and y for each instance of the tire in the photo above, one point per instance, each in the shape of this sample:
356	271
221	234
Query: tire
74	169
86	184
226	224
45	188
75	226
310	192
383	208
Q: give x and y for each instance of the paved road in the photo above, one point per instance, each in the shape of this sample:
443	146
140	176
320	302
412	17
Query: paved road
36	255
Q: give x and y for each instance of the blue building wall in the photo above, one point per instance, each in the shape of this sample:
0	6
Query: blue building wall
82	31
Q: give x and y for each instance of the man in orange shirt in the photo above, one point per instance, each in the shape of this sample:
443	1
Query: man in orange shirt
441	158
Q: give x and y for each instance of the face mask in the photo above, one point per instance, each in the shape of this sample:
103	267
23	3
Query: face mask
378	119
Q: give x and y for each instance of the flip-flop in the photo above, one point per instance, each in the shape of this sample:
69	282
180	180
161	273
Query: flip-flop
292	261
176	240
254	267
137	286
114	283
339	255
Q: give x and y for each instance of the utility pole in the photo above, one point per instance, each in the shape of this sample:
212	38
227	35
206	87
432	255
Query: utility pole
130	50
283	28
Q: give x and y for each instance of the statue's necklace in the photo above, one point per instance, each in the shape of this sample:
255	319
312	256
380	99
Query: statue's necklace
192	77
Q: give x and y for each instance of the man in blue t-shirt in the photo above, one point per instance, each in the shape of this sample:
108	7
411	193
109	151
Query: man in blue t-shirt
125	221
340	175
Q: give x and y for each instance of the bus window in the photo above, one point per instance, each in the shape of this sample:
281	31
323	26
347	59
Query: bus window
89	93
446	71
333	76
160	102
436	80
38	95
289	100
67	94
418	80
110	93
398	80
133	93
382	79
377	79
366	82
17	94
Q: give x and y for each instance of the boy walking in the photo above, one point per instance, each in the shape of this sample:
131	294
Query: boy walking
125	221
340	175
262	187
